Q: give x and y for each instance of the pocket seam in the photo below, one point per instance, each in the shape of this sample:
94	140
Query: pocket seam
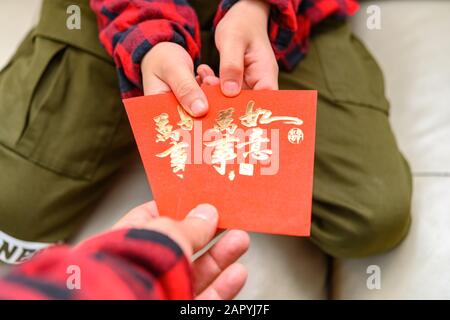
31	143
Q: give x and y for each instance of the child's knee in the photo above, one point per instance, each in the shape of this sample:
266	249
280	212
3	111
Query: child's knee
371	228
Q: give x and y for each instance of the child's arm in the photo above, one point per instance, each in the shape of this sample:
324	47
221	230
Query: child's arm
129	29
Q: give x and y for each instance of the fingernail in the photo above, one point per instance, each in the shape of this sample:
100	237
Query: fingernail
198	107
204	211
231	86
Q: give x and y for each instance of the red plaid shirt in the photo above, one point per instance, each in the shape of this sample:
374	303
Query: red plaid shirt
129	29
122	264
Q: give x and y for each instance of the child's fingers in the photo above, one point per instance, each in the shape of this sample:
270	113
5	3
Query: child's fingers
263	73
231	66
266	82
204	71
265	70
211	81
207	75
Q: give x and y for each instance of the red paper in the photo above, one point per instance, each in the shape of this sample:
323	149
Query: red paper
268	139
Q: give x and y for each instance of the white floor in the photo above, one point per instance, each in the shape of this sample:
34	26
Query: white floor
413	48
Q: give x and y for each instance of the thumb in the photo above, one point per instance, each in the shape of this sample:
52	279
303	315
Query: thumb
199	226
186	89
231	71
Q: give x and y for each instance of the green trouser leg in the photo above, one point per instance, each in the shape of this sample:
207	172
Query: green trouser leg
63	134
362	183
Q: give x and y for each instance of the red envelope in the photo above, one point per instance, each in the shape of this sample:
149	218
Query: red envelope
252	157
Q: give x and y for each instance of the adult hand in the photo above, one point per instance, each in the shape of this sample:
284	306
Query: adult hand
216	273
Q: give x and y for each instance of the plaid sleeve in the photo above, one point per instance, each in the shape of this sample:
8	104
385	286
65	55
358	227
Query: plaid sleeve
130	28
291	21
122	264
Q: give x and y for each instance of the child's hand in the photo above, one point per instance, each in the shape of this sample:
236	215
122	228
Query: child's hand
247	59
168	67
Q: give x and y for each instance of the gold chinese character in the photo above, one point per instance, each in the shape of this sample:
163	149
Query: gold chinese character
256	140
163	127
267	118
186	122
177	152
251	117
224	147
224	121
223	151
178	156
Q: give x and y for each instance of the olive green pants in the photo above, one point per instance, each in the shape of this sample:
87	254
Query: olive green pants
64	133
